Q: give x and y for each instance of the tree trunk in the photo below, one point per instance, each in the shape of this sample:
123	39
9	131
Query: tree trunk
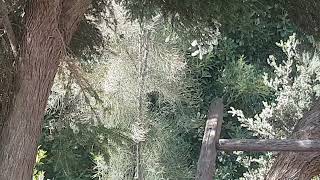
43	46
300	166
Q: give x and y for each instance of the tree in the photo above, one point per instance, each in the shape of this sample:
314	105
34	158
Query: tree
48	29
151	114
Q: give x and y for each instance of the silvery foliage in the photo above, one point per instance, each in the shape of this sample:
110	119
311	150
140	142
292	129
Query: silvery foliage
164	74
101	167
265	163
296	85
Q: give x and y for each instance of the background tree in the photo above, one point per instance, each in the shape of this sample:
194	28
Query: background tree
41	44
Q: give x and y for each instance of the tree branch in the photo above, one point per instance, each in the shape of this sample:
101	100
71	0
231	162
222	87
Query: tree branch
71	15
8	28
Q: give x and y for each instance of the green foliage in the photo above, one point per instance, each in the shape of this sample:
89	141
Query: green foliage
199	18
241	85
81	141
87	42
70	154
295	83
254	36
244	85
73	133
168	150
39	175
234	70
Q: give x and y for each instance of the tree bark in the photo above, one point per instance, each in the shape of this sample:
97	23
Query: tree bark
8	27
43	46
303	165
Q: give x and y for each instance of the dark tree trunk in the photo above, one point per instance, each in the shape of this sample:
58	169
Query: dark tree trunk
300	166
42	48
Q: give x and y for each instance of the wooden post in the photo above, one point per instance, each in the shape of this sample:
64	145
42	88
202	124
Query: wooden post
207	161
292	145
